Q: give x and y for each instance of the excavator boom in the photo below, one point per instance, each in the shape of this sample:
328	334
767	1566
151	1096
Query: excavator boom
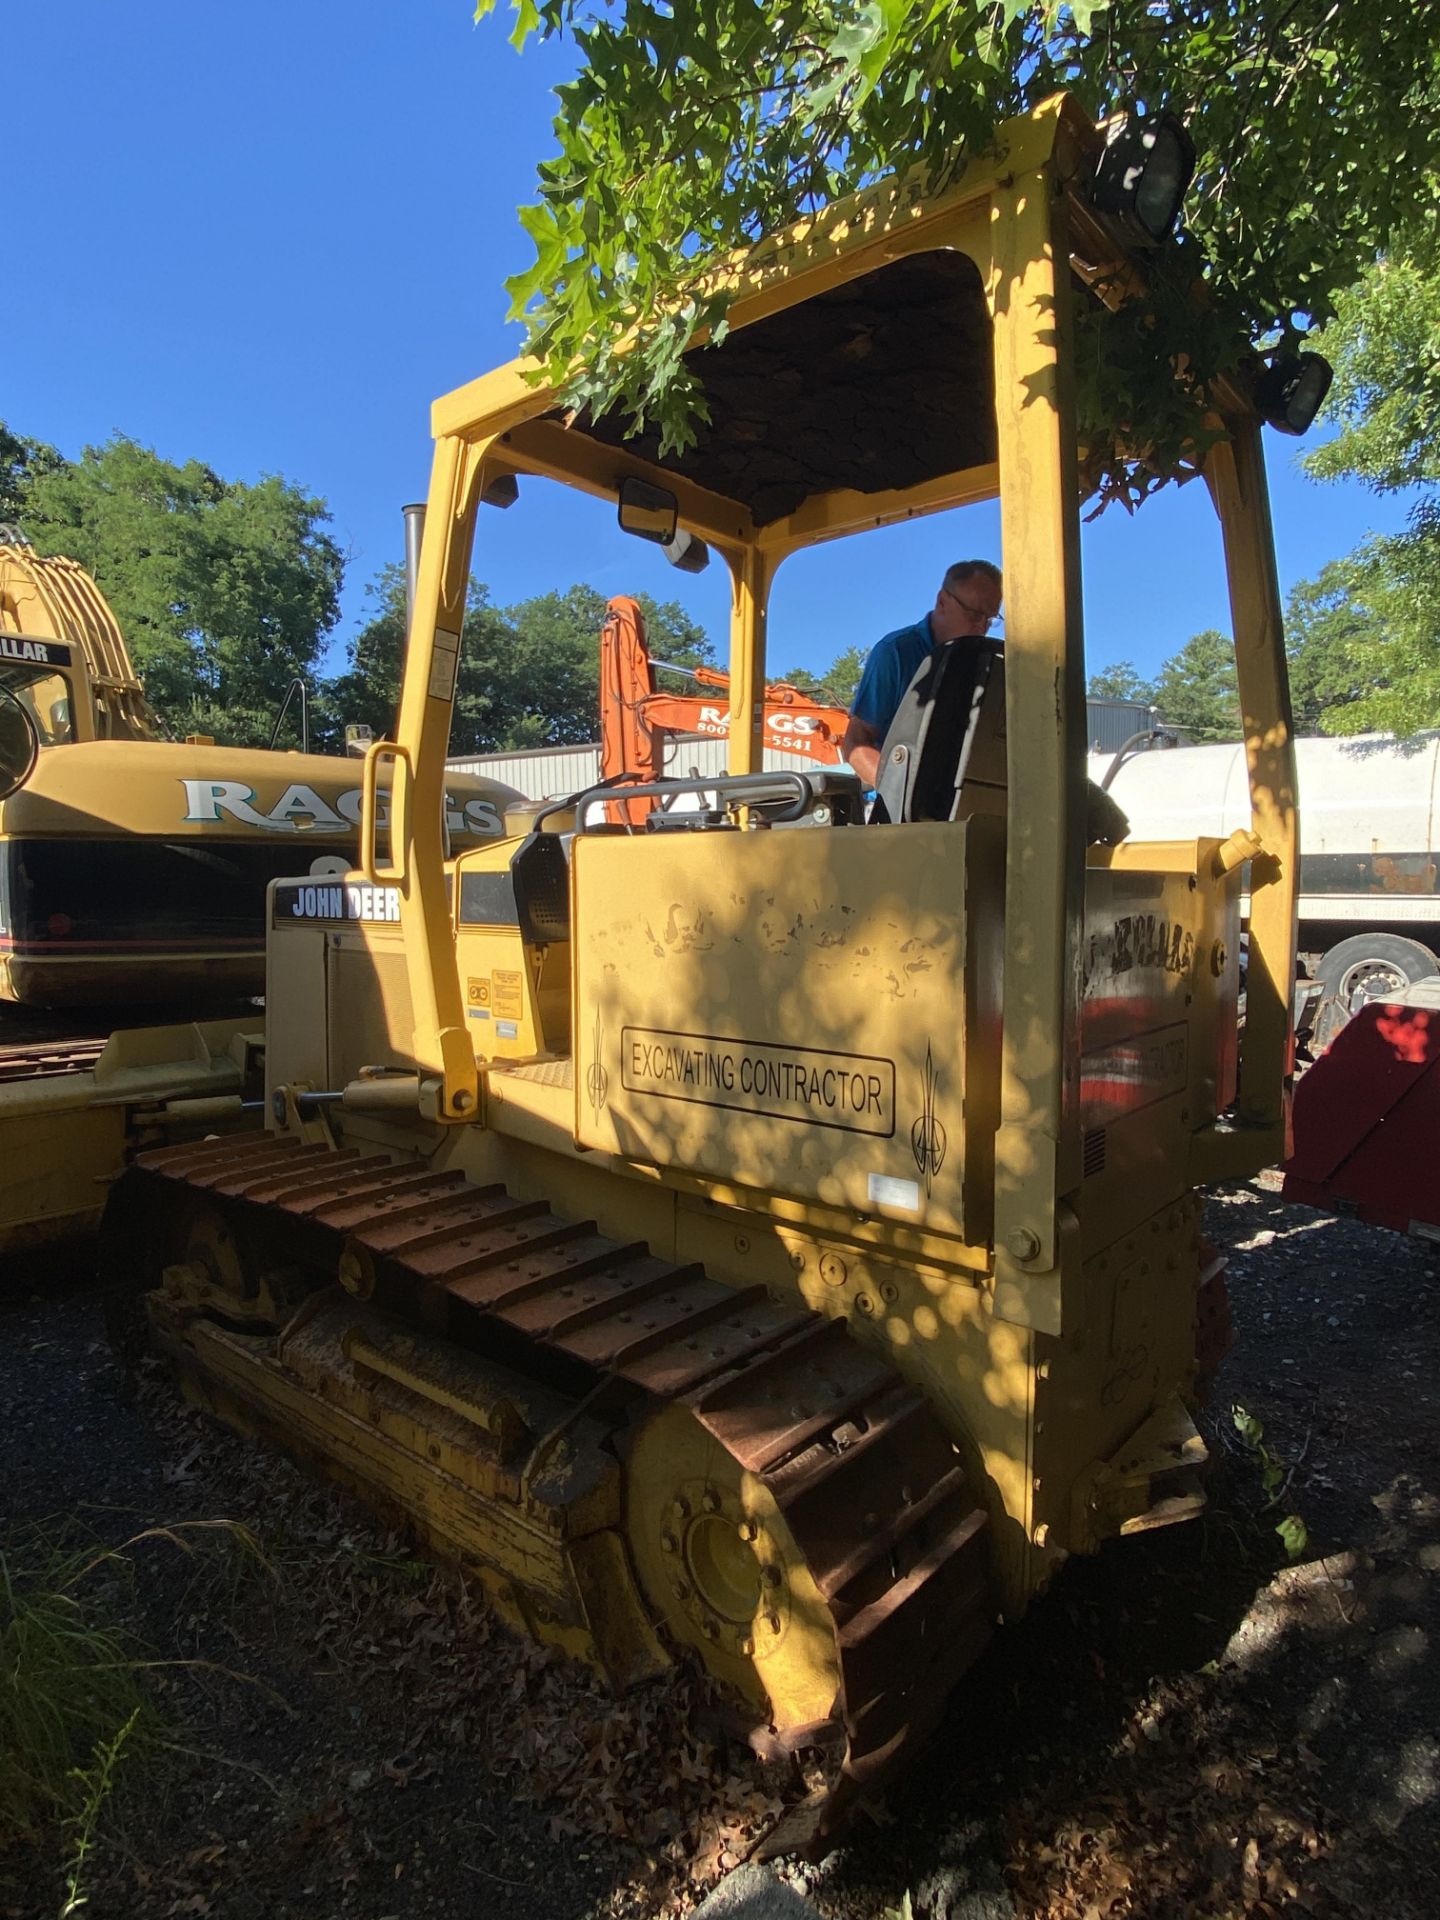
636	715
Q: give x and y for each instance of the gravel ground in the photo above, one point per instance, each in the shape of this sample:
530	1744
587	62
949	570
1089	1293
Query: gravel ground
1188	1724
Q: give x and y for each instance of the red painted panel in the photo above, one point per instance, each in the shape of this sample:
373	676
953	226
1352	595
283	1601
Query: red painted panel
1367	1120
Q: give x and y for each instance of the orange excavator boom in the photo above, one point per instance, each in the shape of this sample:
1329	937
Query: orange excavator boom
636	715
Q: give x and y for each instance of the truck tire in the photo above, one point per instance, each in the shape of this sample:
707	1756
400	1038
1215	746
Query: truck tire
1366	966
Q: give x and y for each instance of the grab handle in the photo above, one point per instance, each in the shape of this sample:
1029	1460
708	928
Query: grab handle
394	873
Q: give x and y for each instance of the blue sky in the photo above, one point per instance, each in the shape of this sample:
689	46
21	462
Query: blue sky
267	236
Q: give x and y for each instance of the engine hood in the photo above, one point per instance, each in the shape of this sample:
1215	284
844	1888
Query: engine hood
107	789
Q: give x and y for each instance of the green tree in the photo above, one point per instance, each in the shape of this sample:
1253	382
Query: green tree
21	460
1336	645
369	689
1391	662
689	132
838	683
1195	689
552	687
1382	606
224	590
1121	681
529	675
1384	344
673	636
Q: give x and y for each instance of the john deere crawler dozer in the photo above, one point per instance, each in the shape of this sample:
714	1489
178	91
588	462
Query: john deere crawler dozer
773	1247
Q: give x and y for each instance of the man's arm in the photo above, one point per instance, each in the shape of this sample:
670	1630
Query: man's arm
861	748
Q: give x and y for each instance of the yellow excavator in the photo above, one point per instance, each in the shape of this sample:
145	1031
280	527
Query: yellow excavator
763	1238
133	889
133	869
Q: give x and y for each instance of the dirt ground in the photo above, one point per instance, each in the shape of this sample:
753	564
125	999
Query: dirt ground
1187	1725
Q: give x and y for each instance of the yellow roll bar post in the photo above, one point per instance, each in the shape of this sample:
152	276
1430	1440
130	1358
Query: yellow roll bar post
1235	473
442	1047
1037	1148
751	572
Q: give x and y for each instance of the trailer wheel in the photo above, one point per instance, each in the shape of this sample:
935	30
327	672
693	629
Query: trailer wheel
1366	966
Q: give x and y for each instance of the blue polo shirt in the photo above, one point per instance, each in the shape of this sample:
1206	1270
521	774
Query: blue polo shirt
888	672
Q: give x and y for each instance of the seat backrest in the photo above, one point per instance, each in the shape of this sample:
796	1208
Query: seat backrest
531	892
944	757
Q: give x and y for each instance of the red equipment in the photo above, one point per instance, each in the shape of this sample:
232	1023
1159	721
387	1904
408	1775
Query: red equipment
1367	1118
636	715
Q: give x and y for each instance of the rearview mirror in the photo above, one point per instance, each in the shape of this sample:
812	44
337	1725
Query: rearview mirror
652	513
19	744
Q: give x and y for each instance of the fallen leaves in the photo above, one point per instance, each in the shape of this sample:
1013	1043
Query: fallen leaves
1228	1835
660	1781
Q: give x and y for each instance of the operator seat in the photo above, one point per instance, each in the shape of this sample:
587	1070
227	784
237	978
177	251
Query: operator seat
944	757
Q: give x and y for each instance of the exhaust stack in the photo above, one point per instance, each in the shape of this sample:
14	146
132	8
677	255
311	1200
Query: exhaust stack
414	535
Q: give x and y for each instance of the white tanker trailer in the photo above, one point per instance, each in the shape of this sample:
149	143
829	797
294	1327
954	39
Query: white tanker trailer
1369	898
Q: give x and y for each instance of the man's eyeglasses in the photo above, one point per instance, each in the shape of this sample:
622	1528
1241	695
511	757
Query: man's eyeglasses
982	614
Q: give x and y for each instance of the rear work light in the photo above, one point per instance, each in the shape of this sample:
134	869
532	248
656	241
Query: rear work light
1143	173
1292	389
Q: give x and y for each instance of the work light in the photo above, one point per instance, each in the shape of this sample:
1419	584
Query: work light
1143	174
503	491
1291	390
687	551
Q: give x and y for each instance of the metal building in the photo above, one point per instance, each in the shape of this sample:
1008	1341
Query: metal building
1110	723
541	773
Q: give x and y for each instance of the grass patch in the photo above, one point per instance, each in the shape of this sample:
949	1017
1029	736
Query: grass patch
70	1680
75	1707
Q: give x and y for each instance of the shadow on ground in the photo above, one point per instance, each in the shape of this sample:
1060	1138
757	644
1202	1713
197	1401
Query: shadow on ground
1188	1724
1184	1725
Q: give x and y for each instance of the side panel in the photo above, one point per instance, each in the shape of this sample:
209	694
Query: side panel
58	1167
336	982
797	1012
296	1018
1158	1026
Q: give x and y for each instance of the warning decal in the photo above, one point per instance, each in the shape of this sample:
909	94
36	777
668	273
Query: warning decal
507	996
444	664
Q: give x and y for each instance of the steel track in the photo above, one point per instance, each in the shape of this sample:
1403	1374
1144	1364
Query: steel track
47	1059
867	1479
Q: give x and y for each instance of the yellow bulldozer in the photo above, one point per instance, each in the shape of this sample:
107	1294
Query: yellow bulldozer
764	1238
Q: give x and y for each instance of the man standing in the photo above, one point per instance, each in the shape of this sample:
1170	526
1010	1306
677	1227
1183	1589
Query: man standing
966	607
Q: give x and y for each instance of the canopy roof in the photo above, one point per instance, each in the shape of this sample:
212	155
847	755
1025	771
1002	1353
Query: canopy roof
880	383
856	381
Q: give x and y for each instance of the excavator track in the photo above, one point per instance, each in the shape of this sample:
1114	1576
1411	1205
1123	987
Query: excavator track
782	1402
47	1059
